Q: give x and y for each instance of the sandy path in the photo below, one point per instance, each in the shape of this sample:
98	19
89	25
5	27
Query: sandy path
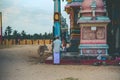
22	63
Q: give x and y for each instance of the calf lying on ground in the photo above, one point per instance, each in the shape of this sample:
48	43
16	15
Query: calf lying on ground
42	52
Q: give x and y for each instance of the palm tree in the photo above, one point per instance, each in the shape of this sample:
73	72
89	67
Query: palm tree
15	36
35	36
40	36
15	33
45	35
5	34
23	34
8	32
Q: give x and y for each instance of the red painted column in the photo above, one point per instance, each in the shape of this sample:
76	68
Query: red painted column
0	27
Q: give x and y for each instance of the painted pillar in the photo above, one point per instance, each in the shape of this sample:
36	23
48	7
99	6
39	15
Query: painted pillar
56	28
0	27
57	13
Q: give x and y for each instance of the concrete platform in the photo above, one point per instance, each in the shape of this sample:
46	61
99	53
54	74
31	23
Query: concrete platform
75	58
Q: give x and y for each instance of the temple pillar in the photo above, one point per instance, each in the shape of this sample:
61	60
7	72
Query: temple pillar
57	16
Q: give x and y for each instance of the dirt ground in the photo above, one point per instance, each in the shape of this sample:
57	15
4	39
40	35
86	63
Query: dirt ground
22	63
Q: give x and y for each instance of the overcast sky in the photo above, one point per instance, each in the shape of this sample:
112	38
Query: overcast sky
32	16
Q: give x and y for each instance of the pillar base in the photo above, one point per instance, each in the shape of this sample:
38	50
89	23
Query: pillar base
93	49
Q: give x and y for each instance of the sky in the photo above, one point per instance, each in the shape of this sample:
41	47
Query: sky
32	16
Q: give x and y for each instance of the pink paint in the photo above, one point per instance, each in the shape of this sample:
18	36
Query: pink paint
93	41
86	5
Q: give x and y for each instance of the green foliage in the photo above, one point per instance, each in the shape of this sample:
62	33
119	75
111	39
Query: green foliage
16	35
8	32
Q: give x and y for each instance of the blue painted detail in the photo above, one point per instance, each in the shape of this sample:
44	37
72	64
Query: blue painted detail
77	0
89	19
85	18
99	18
57	6
57	28
102	18
93	46
93	5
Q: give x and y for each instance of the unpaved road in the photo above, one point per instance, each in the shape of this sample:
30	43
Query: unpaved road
22	63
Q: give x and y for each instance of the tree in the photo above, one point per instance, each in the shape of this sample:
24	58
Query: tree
8	32
23	34
15	36
5	34
45	35
40	36
29	36
50	36
35	36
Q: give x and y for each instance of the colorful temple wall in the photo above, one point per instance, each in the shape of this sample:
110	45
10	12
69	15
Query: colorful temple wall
87	10
93	39
73	8
93	26
74	27
93	34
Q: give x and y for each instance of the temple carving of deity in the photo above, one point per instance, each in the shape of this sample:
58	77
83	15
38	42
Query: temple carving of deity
88	25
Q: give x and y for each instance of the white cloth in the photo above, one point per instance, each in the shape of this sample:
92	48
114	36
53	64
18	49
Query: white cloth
56	58
99	57
56	45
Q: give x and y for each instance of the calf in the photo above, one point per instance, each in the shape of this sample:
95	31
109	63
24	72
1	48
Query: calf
41	51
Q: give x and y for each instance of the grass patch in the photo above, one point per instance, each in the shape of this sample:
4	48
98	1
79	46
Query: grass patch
70	78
